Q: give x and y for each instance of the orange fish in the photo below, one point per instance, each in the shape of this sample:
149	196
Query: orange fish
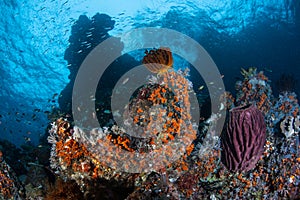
158	60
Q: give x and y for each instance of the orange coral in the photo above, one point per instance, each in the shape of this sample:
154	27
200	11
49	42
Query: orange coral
70	150
261	102
6	185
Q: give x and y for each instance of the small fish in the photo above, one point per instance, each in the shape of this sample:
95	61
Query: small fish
37	110
201	87
107	111
54	95
211	83
27	139
125	81
92	98
222	106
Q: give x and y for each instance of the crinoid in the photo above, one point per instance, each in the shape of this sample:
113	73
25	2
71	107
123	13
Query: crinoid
158	60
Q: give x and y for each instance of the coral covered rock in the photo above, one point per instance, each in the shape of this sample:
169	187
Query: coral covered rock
10	187
254	89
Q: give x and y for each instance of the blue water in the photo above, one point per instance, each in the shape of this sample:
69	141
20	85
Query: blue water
35	36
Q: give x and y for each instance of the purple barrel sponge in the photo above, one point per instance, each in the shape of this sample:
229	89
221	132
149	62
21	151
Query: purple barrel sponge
243	138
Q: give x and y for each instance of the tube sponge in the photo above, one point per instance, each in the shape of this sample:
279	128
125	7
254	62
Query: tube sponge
243	138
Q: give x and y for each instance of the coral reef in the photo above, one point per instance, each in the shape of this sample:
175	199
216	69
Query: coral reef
257	156
243	139
72	160
248	162
157	115
158	119
276	174
254	89
10	187
195	183
282	118
158	123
